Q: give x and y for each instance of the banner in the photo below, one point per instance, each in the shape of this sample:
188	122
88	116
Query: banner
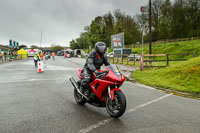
127	51
10	42
14	44
117	40
17	45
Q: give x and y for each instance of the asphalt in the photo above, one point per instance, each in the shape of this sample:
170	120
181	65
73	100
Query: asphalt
32	102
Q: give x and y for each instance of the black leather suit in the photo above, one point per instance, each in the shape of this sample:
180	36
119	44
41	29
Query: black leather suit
94	62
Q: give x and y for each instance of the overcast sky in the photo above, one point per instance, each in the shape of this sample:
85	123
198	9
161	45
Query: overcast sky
60	20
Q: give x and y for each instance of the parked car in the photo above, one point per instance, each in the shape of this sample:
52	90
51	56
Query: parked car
110	55
137	57
60	53
84	54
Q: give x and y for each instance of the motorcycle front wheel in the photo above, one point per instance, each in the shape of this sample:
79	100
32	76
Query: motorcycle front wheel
79	99
117	107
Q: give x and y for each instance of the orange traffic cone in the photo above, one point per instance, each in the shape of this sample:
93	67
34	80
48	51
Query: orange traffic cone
39	67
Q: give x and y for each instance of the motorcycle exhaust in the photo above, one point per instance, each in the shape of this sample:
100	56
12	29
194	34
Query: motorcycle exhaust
74	83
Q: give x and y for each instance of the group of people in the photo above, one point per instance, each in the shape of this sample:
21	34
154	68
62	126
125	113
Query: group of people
38	56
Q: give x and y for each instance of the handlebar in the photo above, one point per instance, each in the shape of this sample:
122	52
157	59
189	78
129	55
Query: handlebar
103	73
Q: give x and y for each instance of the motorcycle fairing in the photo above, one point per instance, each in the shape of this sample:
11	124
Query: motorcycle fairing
112	92
102	86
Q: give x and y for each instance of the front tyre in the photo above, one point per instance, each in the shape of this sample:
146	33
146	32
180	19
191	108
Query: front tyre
117	107
79	99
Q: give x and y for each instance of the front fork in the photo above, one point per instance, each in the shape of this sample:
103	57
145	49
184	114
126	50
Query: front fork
111	92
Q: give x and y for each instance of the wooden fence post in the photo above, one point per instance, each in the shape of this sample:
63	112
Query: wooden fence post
134	59
127	60
122	58
117	58
167	59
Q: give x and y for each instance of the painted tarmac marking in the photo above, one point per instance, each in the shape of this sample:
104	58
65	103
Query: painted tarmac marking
144	86
100	123
31	80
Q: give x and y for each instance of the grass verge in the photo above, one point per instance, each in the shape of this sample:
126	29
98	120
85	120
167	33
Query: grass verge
183	76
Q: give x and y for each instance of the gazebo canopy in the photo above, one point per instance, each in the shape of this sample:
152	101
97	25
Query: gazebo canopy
32	50
22	51
69	49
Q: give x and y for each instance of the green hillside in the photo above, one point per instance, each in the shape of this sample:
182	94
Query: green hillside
184	76
192	46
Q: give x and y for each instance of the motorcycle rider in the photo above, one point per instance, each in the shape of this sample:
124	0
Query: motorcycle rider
36	58
94	62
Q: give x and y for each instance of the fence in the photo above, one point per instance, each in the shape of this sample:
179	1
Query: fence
163	41
126	59
166	58
153	60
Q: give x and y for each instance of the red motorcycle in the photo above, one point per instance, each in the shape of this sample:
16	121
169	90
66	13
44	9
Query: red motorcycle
106	89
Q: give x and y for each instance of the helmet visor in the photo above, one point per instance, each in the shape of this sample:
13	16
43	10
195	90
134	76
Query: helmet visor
102	49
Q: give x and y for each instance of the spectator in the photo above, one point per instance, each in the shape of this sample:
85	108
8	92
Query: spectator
5	55
53	55
41	55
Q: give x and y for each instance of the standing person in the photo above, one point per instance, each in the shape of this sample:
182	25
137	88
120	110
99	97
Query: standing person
41	55
0	55
53	55
94	62
5	56
46	56
49	55
36	58
65	55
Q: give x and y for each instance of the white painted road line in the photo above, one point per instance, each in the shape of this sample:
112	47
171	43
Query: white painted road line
31	80
148	103
145	86
100	123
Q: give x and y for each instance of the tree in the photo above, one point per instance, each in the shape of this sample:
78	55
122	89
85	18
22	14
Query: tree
23	46
164	25
102	27
156	14
56	48
193	17
74	44
34	47
108	27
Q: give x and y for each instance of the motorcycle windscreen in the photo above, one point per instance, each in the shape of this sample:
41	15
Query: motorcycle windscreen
115	70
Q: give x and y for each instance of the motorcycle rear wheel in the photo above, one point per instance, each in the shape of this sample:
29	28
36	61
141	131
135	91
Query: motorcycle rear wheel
79	99
117	107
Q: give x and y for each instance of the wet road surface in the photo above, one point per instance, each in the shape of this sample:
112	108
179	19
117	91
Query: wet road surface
32	102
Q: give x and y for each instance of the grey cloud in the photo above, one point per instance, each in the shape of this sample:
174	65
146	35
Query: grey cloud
60	20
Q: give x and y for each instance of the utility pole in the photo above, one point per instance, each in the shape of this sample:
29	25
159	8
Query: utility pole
150	30
142	27
41	39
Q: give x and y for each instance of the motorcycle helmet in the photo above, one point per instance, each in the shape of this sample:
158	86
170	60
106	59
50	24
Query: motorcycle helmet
100	47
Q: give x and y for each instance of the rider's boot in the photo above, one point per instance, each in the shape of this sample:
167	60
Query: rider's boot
81	89
91	95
